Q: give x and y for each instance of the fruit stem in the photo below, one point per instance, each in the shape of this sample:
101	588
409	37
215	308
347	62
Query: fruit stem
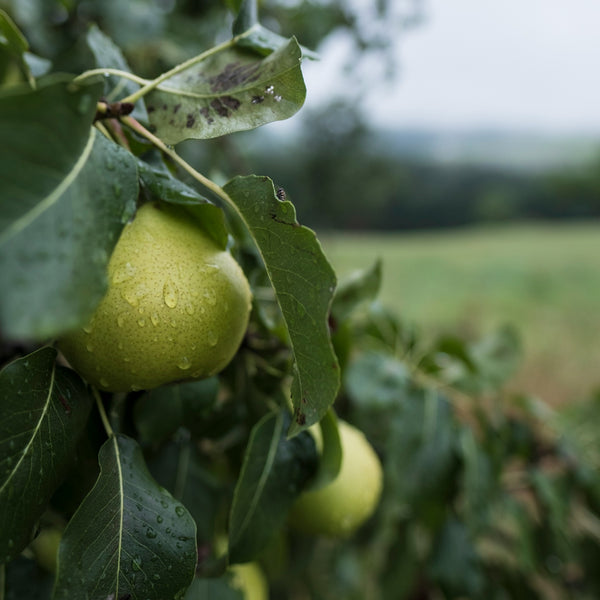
103	416
205	181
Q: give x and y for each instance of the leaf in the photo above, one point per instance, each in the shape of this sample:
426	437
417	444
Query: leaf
45	132
246	18
160	412
15	43
129	537
304	283
361	286
158	180
227	91
43	411
179	467
107	54
25	580
274	472
330	460
455	564
249	33
54	257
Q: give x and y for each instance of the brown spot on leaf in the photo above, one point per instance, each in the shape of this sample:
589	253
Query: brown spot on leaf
151	109
191	120
206	114
176	108
219	108
233	75
257	99
230	102
300	418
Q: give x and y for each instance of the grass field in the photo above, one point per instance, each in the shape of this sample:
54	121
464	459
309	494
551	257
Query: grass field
544	279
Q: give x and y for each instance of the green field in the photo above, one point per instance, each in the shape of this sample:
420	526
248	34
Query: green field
544	279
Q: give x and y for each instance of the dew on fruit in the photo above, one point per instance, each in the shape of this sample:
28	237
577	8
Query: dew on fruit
180	511
89	347
156	576
189	309
155	319
211	268
170	294
141	322
150	533
88	328
131	297
213	338
103	382
184	363
121	320
159	519
210	296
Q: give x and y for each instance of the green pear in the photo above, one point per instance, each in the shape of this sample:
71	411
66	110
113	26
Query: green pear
177	307
337	509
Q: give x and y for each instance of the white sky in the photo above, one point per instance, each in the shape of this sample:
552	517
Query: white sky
521	64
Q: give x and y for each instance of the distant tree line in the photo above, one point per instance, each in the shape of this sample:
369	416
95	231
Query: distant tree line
347	180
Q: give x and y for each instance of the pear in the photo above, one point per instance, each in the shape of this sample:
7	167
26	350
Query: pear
177	307
340	507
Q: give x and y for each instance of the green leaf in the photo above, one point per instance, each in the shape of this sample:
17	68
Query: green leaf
227	91
45	133
454	564
274	472
246	18
129	537
160	412
264	41
361	286
159	180
107	54
330	460
304	283
53	257
25	580
43	411
15	43
180	468
249	33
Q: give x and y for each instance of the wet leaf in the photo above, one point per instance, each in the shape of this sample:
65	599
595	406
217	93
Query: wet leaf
304	283
53	257
227	91
249	33
274	473
129	538
164	186
43	151
43	411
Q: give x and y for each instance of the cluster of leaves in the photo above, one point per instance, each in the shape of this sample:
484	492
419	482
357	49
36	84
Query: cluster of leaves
141	493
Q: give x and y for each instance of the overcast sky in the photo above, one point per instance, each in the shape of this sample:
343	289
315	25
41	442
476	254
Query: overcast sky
525	64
